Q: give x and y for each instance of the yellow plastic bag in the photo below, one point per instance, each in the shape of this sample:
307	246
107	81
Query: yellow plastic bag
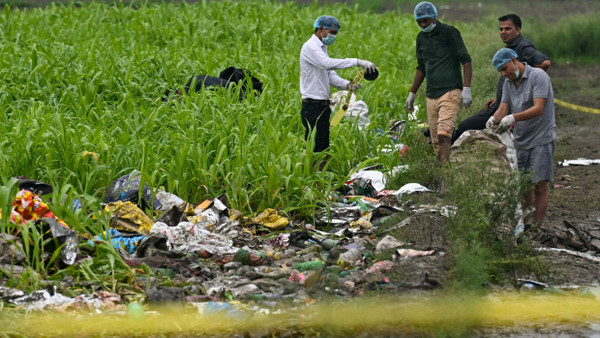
271	219
126	216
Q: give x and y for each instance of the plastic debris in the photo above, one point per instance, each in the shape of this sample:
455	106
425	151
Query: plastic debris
188	237
414	253
127	216
579	161
376	178
380	267
127	187
411	188
166	200
386	243
338	216
271	219
28	206
120	240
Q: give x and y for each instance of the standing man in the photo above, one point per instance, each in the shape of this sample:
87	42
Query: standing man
528	103
510	33
317	74
440	52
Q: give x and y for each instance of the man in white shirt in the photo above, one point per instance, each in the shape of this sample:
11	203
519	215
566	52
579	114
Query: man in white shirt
317	74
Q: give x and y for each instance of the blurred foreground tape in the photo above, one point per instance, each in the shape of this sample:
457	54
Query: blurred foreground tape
363	315
576	107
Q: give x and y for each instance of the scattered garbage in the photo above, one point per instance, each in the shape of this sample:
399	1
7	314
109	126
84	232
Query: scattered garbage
386	243
29	207
411	188
577	162
215	258
409	253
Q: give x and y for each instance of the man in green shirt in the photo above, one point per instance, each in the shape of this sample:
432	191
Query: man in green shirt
440	52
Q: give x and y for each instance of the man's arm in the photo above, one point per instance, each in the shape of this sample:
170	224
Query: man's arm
418	80
536	110
544	65
468	72
336	81
318	58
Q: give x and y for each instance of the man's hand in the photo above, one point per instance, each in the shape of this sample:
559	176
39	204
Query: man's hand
489	104
465	96
353	87
491	123
507	121
367	65
410	101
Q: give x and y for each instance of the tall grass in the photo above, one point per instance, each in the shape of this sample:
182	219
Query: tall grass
85	79
573	39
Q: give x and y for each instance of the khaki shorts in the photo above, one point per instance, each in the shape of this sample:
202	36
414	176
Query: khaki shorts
442	113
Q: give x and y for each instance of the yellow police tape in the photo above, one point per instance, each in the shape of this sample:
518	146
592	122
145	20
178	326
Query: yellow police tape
576	107
416	314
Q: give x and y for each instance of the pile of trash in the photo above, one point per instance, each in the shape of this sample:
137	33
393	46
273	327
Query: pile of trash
210	252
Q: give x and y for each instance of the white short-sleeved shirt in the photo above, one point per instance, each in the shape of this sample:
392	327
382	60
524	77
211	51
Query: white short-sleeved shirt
317	70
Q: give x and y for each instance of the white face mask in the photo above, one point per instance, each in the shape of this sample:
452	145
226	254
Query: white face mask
428	28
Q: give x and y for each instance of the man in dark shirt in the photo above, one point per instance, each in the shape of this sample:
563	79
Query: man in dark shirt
440	52
510	33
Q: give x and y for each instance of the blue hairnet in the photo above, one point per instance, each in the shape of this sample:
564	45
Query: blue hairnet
425	9
502	56
327	21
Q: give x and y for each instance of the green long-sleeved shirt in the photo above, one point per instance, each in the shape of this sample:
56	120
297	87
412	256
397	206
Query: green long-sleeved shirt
439	56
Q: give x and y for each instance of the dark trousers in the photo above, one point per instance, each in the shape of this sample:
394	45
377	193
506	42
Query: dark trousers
474	122
315	118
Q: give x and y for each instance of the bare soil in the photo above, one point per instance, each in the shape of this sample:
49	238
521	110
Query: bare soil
575	194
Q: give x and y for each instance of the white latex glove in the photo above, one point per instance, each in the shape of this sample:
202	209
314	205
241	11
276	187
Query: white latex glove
491	123
367	65
410	101
354	87
465	96
507	121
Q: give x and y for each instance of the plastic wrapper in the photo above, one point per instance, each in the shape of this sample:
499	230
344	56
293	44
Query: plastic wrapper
128	217
338	216
386	243
411	188
414	253
66	237
120	240
187	237
361	224
234	231
360	186
51	300
381	267
271	219
126	188
579	161
166	200
28	206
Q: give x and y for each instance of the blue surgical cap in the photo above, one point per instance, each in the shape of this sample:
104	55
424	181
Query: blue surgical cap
425	9
327	21
502	56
